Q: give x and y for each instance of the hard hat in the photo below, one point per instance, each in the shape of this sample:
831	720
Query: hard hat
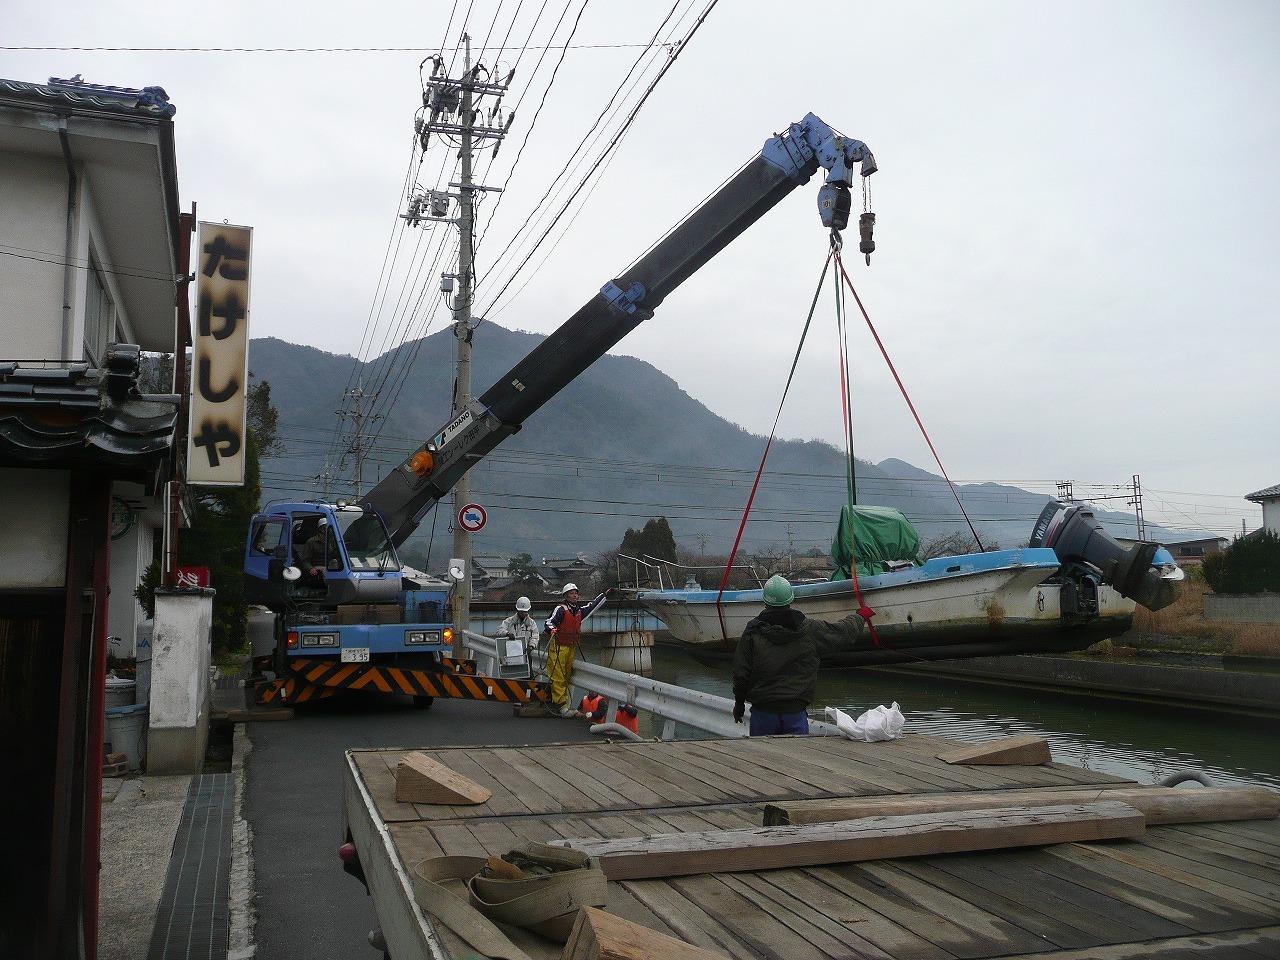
567	587
778	592
523	604
324	522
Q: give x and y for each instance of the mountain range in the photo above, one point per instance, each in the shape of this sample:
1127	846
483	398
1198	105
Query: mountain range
620	445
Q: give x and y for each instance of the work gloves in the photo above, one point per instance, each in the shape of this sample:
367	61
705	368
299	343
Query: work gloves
739	708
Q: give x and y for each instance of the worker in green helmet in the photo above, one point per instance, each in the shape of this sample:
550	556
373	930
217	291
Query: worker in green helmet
775	667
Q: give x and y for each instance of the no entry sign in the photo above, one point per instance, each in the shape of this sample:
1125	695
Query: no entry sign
472	517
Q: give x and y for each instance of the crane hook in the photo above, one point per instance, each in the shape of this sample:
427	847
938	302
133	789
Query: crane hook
866	225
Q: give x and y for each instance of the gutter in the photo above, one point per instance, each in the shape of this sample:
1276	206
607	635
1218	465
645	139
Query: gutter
68	275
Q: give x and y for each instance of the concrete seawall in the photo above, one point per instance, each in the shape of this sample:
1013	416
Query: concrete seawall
1208	687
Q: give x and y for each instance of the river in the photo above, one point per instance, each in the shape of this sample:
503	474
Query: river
1136	741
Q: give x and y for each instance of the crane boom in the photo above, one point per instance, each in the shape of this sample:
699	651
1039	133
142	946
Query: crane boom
787	160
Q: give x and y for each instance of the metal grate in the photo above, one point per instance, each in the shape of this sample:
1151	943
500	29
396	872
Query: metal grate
192	921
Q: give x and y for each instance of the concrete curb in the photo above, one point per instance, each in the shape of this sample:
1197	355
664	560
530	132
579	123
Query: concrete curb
242	916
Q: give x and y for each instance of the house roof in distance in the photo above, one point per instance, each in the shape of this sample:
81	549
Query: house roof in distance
1271	493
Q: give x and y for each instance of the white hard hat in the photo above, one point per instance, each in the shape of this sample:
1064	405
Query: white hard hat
567	587
523	604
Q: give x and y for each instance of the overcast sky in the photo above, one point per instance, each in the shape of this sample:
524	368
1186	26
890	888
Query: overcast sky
1077	207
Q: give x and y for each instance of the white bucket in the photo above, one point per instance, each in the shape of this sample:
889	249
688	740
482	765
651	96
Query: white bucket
126	732
120	692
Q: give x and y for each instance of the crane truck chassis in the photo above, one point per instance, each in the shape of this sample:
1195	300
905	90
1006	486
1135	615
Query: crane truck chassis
366	626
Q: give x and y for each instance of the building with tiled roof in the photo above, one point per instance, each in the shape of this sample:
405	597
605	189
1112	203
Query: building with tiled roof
1270	500
93	260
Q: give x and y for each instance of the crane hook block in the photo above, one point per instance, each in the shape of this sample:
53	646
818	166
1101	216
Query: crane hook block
867	224
833	205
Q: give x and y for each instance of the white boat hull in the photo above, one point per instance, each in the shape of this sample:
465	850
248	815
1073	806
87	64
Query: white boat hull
975	605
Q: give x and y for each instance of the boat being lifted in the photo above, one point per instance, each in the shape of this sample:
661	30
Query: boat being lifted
1073	586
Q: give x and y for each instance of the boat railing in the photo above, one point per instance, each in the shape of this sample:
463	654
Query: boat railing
675	706
656	573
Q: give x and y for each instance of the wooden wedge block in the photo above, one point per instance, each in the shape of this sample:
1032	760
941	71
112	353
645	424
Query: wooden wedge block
602	936
1026	749
419	779
870	838
1160	805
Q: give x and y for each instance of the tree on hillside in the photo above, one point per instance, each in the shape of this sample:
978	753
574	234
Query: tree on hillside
654	541
525	579
217	535
1250	565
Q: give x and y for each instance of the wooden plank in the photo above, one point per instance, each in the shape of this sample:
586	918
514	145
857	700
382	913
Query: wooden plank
717	788
789	766
677	786
808	920
1160	805
1261	942
1069	910
420	779
1021	749
765	933
821	774
870	838
920	899
598	935
1137	869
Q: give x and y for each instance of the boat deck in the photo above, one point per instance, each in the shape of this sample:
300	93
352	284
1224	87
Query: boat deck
1197	890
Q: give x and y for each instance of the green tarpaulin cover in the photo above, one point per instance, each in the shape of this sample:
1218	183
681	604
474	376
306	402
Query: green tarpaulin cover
881	534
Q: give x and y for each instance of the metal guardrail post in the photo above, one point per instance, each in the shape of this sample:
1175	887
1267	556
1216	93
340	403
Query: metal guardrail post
673	704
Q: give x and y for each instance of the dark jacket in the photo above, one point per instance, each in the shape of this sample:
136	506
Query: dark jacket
775	667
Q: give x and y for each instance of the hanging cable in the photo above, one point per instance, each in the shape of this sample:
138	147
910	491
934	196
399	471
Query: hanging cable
728	567
851	487
885	353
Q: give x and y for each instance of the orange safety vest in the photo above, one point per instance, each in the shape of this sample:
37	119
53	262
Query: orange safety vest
569	632
628	717
591	705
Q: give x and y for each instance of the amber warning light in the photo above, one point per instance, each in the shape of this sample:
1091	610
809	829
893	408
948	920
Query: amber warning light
423	463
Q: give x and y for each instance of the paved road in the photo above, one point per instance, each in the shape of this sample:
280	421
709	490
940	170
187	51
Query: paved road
307	908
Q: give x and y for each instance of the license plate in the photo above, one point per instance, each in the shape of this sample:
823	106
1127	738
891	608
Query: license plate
355	654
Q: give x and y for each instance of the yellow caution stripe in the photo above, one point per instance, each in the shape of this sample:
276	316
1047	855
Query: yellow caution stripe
314	679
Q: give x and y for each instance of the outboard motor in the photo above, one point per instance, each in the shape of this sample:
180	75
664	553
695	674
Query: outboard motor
1144	572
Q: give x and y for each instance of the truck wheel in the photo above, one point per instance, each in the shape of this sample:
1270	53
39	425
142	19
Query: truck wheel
423	702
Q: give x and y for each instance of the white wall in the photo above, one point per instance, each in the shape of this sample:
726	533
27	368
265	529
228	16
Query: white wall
179	700
1271	515
33	216
33	537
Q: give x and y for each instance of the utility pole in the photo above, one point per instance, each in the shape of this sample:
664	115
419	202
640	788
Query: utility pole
357	448
1136	503
1065	492
442	98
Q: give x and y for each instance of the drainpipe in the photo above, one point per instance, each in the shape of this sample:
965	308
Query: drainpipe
68	275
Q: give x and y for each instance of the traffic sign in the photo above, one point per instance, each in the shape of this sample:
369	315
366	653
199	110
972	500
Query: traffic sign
472	518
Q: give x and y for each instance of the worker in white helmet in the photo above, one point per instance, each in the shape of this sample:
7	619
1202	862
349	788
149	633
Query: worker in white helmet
521	626
565	624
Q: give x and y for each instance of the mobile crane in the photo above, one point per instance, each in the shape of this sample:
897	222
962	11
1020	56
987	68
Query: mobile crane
368	627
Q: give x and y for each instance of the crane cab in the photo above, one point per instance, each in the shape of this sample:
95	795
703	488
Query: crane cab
319	554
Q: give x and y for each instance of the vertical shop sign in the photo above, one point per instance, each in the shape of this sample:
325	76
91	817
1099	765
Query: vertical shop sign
220	357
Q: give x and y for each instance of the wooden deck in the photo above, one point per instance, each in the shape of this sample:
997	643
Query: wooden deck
1199	890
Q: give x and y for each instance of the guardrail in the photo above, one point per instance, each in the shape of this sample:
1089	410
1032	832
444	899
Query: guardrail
672	704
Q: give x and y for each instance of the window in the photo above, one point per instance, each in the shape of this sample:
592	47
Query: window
267	536
99	317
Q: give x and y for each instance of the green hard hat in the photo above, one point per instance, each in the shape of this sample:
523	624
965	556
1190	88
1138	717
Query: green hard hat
778	592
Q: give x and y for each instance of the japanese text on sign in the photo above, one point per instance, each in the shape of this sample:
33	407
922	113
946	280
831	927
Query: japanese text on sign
220	357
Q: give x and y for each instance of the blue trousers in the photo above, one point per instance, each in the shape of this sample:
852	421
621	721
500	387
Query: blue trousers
764	723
